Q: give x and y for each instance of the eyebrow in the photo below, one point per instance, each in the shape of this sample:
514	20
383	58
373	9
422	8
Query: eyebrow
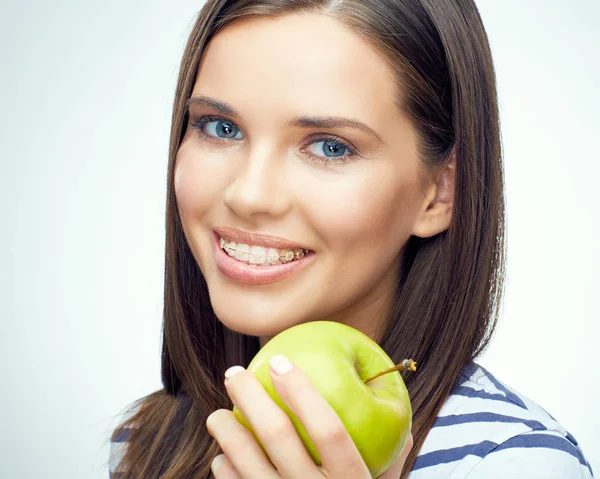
297	121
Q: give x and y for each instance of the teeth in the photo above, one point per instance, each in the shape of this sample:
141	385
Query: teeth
257	255
242	252
286	256
273	256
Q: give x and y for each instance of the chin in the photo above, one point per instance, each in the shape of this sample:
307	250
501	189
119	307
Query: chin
253	321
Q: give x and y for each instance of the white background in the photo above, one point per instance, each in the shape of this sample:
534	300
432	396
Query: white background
86	96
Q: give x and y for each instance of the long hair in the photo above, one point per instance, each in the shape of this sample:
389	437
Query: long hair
450	288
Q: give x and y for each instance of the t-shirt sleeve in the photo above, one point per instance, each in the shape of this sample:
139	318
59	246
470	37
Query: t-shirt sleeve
534	455
118	444
118	441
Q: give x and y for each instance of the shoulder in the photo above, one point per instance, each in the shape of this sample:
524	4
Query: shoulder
533	455
118	440
487	429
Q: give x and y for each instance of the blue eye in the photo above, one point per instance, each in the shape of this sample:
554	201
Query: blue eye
330	149
218	128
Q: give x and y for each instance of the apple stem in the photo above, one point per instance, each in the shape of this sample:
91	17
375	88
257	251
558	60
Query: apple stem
406	365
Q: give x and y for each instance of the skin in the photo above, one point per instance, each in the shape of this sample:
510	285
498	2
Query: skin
356	214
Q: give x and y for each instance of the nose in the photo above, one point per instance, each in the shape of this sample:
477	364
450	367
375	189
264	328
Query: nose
258	188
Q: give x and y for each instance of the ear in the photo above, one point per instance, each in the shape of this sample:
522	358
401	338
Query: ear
438	202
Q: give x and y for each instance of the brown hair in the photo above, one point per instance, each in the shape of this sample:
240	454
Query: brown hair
451	285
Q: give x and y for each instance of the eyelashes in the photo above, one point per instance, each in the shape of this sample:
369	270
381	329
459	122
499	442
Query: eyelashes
212	127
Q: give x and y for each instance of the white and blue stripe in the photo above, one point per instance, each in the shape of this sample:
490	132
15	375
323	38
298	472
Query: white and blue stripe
486	430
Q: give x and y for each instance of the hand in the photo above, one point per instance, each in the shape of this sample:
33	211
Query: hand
287	457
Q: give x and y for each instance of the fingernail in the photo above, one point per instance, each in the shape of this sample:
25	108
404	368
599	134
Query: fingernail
232	371
280	364
217	462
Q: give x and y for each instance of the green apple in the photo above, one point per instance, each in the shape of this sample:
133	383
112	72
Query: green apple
356	377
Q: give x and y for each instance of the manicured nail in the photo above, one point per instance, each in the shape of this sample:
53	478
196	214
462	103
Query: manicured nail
280	364
217	462
232	371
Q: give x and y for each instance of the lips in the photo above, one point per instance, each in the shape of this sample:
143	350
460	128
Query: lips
258	275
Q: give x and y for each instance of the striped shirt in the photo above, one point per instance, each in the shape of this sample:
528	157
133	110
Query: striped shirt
485	430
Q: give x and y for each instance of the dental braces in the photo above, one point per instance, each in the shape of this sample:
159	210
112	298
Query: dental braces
284	256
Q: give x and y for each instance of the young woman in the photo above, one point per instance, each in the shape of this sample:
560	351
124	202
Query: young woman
335	160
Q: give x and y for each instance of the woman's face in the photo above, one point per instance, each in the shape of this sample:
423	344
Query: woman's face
285	154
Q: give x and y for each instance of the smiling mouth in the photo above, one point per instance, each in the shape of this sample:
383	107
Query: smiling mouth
259	255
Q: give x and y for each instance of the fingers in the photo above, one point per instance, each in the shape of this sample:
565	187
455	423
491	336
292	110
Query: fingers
243	452
222	468
338	452
395	469
272	426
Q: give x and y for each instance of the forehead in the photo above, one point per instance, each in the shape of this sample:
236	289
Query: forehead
297	63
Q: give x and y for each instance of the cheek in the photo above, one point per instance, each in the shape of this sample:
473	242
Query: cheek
365	212
194	194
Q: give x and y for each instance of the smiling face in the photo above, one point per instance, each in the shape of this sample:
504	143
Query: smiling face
350	194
